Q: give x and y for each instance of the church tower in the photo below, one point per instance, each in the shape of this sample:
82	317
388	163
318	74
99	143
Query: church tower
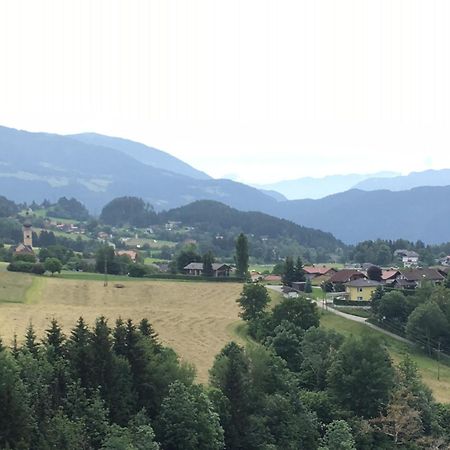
27	232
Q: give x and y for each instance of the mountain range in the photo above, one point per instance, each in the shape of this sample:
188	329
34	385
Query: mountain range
315	188
95	169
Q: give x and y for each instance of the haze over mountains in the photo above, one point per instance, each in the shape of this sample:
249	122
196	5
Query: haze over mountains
95	169
314	188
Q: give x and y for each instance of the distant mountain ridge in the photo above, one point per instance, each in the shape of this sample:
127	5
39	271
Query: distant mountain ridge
38	166
405	182
147	155
315	188
418	214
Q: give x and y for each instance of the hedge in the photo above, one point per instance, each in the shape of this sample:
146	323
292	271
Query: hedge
351	303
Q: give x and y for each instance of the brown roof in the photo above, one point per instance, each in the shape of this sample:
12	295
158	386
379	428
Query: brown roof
346	275
272	278
388	274
313	270
361	282
422	274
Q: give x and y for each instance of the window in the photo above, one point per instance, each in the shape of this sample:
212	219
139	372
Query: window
360	299
360	289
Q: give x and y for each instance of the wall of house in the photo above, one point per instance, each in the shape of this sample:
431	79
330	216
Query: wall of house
364	292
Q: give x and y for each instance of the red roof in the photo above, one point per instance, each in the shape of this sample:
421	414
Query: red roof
388	274
272	278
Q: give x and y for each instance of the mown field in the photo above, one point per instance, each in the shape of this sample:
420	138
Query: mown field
196	319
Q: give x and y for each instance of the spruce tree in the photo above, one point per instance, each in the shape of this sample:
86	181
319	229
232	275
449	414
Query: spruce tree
208	260
242	256
30	340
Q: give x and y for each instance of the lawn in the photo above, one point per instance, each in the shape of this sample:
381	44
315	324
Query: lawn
428	367
152	243
13	286
196	319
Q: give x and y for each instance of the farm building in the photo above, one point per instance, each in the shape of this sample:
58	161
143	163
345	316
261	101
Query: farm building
219	269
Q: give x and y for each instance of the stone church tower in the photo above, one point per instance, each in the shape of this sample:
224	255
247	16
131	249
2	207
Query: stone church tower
27	232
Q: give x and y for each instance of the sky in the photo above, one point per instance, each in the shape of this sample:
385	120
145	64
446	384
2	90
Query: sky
257	90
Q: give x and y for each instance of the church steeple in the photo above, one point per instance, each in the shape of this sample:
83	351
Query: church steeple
27	231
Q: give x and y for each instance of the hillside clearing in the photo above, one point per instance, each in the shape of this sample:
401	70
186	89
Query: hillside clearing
196	319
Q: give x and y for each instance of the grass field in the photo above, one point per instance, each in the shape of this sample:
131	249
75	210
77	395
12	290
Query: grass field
196	319
427	367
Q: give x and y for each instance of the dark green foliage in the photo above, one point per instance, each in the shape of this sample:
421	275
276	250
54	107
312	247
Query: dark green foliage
59	252
53	265
286	343
21	266
289	275
299	311
68	209
105	259
187	255
15	413
253	301
137	270
338	436
374	273
427	324
361	376
188	421
242	256
318	349
208	260
299	272
308	287
393	306
38	269
131	211
30	341
7	207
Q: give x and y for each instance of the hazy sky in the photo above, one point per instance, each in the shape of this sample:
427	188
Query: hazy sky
262	89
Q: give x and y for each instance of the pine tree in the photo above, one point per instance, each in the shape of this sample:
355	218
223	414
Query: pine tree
120	333
30	340
208	260
289	273
80	353
55	339
299	272
242	256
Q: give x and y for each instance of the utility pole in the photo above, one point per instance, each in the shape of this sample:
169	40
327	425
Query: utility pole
105	283
439	360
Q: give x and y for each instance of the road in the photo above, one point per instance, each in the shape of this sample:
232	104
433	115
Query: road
358	319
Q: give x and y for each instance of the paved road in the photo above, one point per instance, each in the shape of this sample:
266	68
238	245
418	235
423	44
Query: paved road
350	317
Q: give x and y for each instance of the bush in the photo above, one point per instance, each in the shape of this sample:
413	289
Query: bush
351	303
137	270
21	266
38	269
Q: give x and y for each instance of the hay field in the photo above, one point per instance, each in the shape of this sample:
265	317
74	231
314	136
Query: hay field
196	319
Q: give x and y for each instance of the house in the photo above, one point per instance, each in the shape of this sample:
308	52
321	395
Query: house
273	279
413	278
219	269
361	289
132	254
255	276
388	276
312	272
345	276
445	261
409	258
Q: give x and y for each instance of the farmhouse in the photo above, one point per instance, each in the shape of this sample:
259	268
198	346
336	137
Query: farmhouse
361	289
219	269
132	254
312	272
345	276
409	258
413	278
